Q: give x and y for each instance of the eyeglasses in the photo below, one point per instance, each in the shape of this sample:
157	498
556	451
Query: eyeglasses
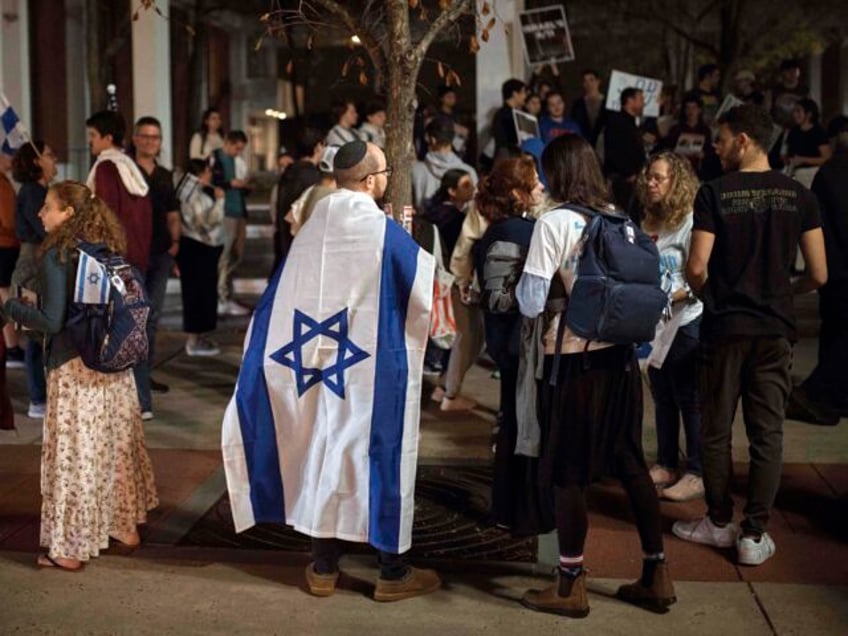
387	171
659	178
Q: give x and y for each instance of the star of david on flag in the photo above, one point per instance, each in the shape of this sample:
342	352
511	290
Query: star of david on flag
92	282
306	329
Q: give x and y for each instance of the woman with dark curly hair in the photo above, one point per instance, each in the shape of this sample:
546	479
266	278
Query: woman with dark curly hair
96	476
504	198
667	188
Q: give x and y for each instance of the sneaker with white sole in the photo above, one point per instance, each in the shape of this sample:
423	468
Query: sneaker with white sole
146	416
753	552
202	347
689	487
438	394
232	308
706	532
36	411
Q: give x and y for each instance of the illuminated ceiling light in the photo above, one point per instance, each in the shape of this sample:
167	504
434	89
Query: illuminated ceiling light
355	39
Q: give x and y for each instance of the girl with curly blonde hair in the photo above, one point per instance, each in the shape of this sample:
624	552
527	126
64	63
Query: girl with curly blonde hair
667	189
96	476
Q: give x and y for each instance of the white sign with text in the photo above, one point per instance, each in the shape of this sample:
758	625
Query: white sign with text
619	80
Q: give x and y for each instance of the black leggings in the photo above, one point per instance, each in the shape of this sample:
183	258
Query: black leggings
573	519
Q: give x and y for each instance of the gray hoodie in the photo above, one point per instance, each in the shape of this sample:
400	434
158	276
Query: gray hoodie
427	175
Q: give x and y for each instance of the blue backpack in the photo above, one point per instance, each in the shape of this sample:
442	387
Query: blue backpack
617	296
111	336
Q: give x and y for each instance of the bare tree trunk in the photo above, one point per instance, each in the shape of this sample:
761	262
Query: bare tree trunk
402	75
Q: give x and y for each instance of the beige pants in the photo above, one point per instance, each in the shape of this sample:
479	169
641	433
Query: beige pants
234	237
467	346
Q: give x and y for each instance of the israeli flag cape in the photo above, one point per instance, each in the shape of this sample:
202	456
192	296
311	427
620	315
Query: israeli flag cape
92	284
322	431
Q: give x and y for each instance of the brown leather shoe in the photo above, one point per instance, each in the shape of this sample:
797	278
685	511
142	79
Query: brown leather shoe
567	597
320	584
416	583
653	592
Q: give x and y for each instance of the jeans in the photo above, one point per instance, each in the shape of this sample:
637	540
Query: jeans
235	235
156	283
327	552
36	382
675	391
757	369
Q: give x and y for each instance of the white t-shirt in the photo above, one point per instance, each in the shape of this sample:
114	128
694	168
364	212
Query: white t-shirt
555	248
673	246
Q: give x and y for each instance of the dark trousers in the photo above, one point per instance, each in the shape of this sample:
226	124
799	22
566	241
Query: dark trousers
34	359
156	284
675	391
827	383
327	552
199	285
757	369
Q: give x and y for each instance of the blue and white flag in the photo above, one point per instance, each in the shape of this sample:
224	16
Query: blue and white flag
322	431
92	282
13	134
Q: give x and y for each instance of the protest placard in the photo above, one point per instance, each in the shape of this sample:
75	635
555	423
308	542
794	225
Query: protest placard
526	125
619	80
545	35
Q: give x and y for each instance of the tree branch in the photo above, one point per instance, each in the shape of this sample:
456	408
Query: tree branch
375	51
446	17
673	27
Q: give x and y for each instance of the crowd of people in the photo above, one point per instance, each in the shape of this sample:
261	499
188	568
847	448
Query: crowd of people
744	207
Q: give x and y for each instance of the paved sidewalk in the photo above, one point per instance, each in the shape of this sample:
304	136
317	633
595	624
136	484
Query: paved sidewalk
167	589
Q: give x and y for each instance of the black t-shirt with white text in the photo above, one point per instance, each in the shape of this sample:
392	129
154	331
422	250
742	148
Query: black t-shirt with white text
757	219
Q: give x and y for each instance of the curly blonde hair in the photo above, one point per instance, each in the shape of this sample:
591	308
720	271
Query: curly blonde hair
92	221
677	204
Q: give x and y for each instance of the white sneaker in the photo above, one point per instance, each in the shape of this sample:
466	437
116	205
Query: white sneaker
706	532
662	476
438	394
753	552
203	347
146	416
36	411
232	308
689	487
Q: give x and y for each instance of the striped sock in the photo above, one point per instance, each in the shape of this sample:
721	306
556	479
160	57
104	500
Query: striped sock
571	566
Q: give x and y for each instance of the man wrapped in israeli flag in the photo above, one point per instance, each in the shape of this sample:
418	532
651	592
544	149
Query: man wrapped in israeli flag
322	432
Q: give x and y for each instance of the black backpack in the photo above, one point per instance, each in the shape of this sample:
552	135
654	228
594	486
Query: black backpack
110	336
617	296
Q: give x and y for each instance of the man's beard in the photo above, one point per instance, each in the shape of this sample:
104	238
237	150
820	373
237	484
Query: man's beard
733	160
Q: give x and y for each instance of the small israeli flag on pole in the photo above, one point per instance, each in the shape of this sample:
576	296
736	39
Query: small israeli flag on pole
92	283
13	133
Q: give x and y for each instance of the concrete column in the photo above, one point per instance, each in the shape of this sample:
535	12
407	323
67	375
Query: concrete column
151	54
77	87
14	58
498	60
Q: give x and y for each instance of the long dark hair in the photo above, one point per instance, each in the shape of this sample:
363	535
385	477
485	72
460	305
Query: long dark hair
204	127
573	172
450	180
